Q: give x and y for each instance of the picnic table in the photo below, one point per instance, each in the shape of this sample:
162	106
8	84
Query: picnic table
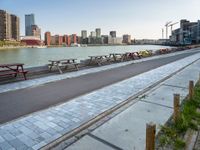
63	63
131	55
12	69
99	59
116	56
164	51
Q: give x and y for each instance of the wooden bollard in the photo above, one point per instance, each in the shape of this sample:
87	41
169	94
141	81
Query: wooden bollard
191	89
150	136
176	114
199	78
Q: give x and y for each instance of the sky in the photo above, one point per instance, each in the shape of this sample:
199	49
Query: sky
142	19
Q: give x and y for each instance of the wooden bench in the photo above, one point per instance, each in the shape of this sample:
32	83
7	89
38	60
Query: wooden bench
59	64
99	60
66	65
9	73
116	57
131	56
12	69
164	51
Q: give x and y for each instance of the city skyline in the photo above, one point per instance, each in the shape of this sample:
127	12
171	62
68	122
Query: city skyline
139	19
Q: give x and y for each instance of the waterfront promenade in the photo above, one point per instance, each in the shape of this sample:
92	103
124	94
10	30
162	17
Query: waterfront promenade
38	94
105	89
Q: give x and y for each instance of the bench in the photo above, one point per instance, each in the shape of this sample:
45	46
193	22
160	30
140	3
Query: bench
9	73
66	65
116	57
164	51
131	55
63	63
12	69
99	60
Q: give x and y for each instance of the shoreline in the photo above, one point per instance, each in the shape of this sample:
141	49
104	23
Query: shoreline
96	45
13	47
45	66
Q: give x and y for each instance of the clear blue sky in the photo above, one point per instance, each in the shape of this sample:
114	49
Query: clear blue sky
140	18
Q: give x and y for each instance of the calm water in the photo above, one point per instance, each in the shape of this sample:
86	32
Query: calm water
37	57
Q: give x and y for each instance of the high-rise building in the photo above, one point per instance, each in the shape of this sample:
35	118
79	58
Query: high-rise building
98	32
35	31
53	40
64	39
31	28
127	39
29	21
113	34
47	38
60	40
188	33
56	40
68	41
15	27
5	28
73	38
104	39
93	34
9	26
84	38
115	40
198	31
84	34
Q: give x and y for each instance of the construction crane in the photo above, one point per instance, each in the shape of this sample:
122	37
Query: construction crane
162	33
167	25
171	25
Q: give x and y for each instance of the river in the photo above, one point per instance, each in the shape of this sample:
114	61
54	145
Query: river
32	57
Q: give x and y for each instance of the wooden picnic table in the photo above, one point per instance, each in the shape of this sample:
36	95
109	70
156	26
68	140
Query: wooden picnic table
116	56
131	55
63	63
99	59
12	69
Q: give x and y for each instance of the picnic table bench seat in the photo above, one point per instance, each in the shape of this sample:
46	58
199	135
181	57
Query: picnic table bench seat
115	57
12	69
6	73
66	65
131	56
99	60
63	63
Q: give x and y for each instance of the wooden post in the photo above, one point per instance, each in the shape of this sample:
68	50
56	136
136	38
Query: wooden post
176	114
191	89
150	136
199	79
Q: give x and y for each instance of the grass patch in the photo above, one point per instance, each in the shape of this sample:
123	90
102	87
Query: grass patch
171	136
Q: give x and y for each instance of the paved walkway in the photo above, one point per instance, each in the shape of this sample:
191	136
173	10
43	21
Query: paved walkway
41	128
15	104
127	130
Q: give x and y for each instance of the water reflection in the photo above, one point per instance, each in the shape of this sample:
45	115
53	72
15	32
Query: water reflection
37	57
